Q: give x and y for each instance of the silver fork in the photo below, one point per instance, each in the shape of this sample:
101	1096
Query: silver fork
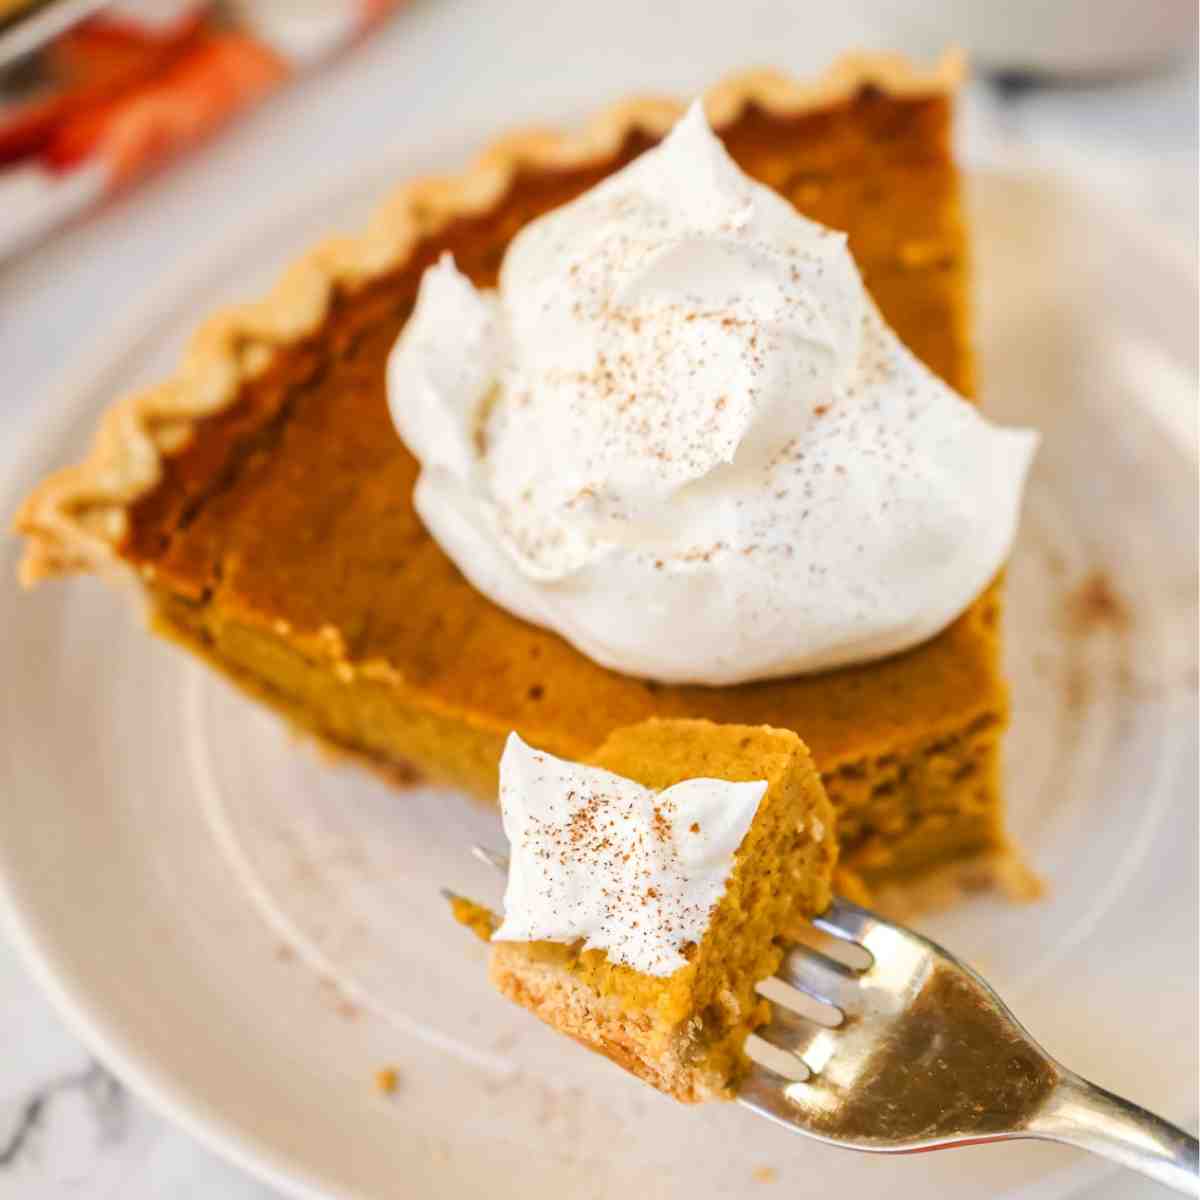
914	1051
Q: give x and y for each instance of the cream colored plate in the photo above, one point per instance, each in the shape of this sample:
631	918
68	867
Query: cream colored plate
247	934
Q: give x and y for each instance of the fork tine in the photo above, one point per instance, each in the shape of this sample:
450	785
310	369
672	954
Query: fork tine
491	858
811	1043
847	921
821	977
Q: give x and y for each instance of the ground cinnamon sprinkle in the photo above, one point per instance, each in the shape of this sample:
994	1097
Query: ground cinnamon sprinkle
1095	604
660	824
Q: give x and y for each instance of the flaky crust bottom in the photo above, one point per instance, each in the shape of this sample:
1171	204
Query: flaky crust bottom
556	996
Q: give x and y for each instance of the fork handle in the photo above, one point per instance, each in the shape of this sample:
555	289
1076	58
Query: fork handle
1084	1115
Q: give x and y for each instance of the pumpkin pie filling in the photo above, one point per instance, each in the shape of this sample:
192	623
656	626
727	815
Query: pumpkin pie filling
683	1030
280	541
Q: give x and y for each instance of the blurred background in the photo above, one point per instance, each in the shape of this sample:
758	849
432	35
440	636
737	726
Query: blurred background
1105	89
134	140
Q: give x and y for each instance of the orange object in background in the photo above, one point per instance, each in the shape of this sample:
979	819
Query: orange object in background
110	99
197	90
89	65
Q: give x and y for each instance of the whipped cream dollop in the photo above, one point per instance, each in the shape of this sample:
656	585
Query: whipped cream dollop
598	857
680	434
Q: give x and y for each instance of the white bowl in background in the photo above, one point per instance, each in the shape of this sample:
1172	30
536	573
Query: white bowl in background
1074	38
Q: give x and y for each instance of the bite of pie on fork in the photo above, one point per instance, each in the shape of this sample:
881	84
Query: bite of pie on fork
622	931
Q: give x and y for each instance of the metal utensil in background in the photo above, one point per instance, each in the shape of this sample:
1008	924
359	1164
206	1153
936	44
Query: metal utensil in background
26	30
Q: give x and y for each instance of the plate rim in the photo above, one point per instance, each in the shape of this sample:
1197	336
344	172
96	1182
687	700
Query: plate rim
34	438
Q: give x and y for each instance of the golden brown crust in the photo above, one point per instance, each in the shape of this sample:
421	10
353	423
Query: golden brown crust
77	517
554	995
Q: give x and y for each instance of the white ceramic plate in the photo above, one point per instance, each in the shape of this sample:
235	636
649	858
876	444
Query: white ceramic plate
247	933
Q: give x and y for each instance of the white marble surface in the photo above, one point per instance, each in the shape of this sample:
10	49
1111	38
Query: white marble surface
68	1128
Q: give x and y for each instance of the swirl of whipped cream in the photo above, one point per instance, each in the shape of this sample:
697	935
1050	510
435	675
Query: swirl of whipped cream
681	435
598	857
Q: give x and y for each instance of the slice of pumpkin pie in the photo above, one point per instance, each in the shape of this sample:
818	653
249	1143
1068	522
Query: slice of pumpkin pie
263	503
649	890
